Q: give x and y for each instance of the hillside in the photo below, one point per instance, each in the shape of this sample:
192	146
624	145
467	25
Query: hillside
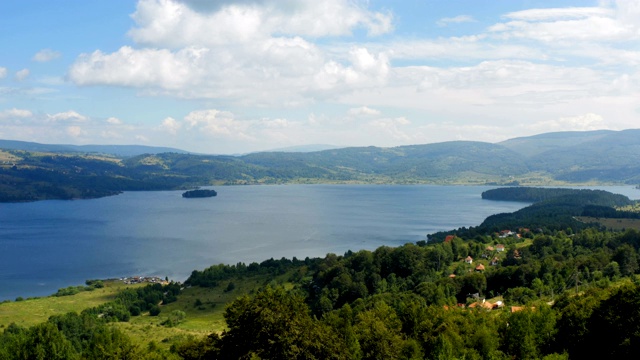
531	146
547	159
117	150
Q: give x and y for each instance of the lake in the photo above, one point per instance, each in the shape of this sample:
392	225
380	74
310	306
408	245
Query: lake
53	244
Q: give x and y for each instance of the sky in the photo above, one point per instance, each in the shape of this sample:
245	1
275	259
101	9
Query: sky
228	77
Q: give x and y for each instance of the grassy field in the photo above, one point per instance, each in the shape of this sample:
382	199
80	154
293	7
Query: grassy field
8	157
612	224
34	311
204	309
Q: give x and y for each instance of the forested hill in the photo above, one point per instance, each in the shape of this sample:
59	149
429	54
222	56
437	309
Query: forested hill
117	150
533	194
563	158
553	209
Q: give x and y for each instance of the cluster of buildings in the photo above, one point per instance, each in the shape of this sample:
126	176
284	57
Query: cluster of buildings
486	305
144	279
491	252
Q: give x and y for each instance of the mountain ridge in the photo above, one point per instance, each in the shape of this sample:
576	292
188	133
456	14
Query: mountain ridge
600	157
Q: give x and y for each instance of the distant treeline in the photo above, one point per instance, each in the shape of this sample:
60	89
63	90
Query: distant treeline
216	274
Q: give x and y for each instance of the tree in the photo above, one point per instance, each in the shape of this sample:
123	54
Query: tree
110	343
528	334
471	284
615	325
627	258
199	349
378	332
275	324
46	342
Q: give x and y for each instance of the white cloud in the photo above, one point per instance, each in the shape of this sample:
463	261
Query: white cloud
363	111
275	123
592	24
366	70
67	116
111	134
393	127
22	74
138	68
558	13
217	123
175	24
3	72
142	138
26	91
280	72
170	125
518	81
114	121
455	20
75	131
15	113
469	48
253	53
46	55
584	122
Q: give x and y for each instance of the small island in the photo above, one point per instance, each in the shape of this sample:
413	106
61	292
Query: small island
199	194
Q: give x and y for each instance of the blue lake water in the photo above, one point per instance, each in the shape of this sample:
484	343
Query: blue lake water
52	244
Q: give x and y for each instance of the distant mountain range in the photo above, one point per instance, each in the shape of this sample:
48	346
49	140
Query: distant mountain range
30	171
305	148
117	150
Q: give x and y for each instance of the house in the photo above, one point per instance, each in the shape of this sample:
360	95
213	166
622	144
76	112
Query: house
505	233
468	260
449	238
482	305
451	276
516	254
500	247
480	267
495	261
490	248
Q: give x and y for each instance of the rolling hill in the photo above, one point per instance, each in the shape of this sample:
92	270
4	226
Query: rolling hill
38	171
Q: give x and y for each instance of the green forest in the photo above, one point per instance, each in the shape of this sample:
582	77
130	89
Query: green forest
520	292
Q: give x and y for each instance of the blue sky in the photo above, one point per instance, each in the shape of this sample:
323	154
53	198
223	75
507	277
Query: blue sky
249	75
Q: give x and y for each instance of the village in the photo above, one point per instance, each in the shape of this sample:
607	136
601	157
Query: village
492	253
144	279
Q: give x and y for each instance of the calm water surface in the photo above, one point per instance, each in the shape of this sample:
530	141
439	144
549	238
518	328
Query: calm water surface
52	244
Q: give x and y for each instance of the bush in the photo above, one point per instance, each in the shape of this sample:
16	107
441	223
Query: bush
154	310
134	310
